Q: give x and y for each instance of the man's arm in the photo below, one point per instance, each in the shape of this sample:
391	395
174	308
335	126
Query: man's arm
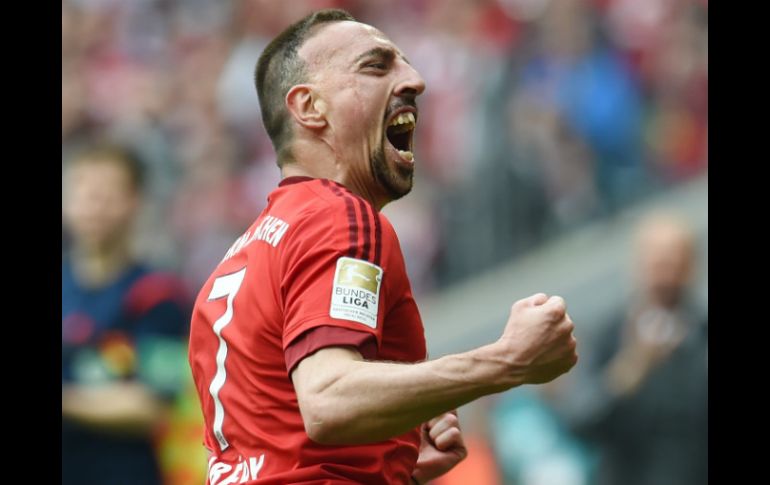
347	400
125	406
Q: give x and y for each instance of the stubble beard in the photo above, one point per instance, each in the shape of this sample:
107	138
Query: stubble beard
396	182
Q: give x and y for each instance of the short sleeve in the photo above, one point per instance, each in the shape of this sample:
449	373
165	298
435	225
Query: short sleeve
325	336
329	275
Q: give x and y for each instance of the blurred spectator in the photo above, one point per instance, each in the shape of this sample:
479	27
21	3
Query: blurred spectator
641	393
580	109
123	328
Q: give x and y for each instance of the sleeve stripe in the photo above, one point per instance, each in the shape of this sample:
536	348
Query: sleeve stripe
366	209
377	237
352	222
367	248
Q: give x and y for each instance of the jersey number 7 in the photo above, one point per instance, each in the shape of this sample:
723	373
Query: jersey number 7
224	286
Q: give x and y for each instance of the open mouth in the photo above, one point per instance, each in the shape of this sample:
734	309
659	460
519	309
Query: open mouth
399	133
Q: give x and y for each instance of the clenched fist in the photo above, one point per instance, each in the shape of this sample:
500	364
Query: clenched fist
442	447
537	341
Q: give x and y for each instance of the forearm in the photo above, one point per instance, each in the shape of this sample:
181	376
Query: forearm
352	401
346	400
122	407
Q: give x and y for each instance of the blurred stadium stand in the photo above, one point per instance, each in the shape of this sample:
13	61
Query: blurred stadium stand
590	268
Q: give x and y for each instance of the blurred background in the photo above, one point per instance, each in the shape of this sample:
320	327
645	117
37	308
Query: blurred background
562	147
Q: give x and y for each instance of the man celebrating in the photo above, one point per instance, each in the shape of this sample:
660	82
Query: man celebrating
306	344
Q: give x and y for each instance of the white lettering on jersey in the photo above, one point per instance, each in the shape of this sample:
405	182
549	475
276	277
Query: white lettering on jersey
245	470
270	230
356	291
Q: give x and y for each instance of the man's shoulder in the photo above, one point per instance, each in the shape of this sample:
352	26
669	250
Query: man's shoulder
322	202
320	212
309	198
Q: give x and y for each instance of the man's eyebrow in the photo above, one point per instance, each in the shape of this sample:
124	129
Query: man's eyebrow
381	52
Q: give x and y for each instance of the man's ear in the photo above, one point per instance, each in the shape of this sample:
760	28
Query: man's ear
305	106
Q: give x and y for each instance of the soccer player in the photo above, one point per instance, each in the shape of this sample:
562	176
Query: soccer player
123	328
306	344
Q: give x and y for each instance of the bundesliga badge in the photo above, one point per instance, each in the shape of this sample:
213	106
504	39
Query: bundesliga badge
356	291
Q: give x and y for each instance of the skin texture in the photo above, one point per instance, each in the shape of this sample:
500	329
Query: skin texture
357	81
346	400
340	115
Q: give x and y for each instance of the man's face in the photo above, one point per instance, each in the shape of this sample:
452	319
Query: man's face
665	262
369	90
99	203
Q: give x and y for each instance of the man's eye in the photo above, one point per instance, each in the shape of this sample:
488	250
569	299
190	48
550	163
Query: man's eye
377	65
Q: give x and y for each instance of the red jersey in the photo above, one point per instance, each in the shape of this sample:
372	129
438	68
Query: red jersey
319	267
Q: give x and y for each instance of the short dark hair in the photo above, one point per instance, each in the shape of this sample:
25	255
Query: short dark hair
279	68
106	151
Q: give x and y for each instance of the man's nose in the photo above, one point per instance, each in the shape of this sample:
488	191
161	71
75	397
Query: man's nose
411	83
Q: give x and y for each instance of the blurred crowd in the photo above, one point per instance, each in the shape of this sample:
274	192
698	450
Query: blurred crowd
539	116
635	409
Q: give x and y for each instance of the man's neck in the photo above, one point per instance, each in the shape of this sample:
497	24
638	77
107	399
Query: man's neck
295	169
95	267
